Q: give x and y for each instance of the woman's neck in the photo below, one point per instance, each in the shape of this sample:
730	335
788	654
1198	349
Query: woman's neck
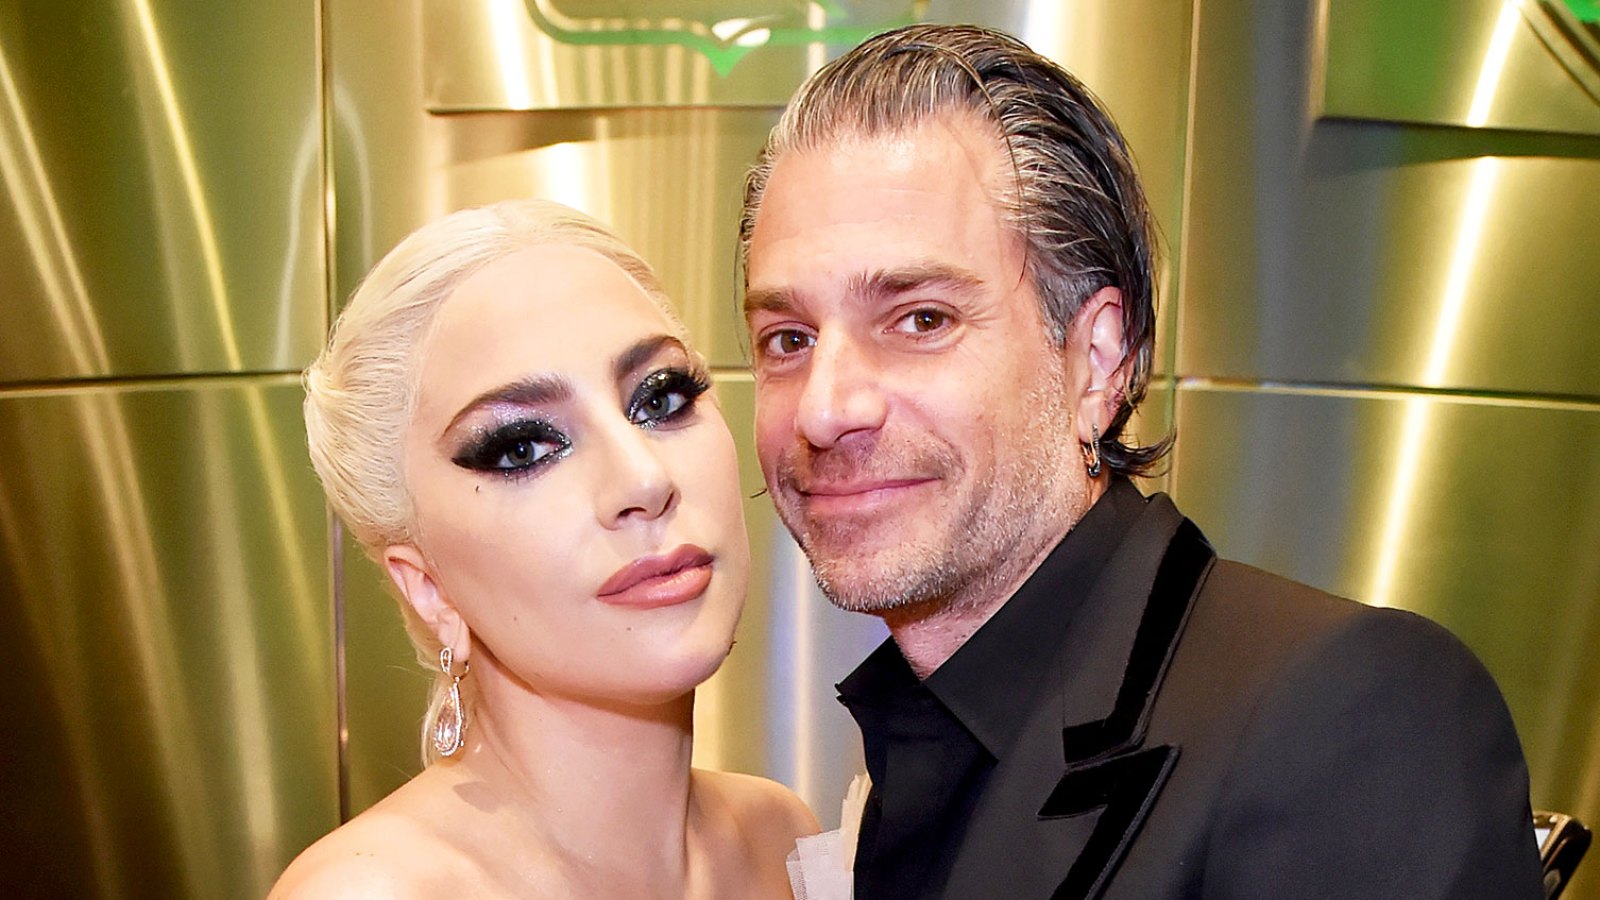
603	787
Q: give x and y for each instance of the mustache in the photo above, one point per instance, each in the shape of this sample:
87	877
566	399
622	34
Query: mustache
803	466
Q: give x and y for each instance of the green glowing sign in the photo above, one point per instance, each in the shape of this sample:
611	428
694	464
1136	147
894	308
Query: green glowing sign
723	32
1585	10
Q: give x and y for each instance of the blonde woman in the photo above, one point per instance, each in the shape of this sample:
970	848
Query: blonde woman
509	418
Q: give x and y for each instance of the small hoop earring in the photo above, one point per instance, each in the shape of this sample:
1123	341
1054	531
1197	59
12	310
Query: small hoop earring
1091	456
450	728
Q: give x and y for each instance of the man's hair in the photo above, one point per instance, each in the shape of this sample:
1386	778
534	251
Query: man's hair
1075	200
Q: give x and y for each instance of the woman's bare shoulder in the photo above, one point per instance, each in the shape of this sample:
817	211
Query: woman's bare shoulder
389	851
760	806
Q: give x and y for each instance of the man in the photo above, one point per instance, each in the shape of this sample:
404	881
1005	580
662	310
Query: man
948	263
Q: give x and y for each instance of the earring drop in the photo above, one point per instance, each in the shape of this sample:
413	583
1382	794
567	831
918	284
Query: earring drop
450	728
1091	456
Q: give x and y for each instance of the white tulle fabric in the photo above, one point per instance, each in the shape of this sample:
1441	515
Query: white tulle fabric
822	866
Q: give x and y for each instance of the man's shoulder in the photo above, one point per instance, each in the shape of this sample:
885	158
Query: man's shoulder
1277	647
1257	642
1251	604
1373	718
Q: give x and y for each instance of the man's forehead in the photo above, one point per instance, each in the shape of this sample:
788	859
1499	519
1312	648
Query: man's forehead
952	133
858	217
954	160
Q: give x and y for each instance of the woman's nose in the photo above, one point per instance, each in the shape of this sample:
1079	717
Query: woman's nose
634	483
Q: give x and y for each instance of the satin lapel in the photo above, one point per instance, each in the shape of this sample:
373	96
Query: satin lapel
1109	770
1107	679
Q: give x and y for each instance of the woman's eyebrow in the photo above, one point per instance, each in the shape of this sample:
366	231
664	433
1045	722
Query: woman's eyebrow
642	352
543	390
536	390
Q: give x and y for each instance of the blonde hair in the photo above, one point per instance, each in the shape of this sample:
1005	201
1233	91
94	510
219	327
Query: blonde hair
361	391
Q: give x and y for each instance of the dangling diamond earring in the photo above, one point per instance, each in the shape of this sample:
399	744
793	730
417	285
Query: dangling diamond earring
1092	455
450	728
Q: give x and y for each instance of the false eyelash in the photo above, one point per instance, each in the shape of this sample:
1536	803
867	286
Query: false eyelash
486	452
691	384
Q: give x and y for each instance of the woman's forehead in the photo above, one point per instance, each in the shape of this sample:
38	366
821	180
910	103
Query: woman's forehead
548	309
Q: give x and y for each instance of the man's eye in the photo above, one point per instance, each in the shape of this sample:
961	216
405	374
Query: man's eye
788	342
513	448
923	321
664	396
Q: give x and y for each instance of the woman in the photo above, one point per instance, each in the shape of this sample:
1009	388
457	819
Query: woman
509	419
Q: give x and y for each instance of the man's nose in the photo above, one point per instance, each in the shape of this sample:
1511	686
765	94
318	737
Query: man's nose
843	393
633	483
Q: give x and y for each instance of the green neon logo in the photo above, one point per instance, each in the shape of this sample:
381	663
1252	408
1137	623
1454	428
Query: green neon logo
710	29
1585	10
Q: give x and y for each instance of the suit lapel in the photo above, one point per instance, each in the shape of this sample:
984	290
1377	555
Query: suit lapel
1079	761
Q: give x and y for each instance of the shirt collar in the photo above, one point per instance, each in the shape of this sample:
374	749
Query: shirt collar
990	683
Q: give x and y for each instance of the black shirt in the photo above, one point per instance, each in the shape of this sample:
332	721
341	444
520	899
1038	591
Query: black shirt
931	745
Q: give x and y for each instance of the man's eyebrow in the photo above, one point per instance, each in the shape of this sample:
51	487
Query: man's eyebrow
778	300
641	352
872	287
890	283
535	390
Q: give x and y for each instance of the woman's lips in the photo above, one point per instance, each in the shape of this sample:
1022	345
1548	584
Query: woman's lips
663	580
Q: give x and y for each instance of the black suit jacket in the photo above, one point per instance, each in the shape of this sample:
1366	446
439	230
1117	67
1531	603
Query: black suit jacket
1215	732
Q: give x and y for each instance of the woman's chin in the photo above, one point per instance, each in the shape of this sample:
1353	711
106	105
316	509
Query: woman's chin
679	676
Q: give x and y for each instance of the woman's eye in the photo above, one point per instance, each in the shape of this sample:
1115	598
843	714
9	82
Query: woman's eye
513	448
923	321
664	396
523	453
787	342
658	406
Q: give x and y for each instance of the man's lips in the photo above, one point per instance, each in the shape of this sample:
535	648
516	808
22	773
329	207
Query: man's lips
662	580
857	488
854	498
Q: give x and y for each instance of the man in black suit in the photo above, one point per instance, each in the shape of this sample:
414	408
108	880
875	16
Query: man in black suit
948	268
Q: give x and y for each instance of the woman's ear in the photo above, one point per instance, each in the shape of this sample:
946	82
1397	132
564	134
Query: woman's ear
419	585
1097	333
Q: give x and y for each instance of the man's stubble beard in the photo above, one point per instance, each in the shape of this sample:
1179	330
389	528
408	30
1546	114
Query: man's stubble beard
1000	531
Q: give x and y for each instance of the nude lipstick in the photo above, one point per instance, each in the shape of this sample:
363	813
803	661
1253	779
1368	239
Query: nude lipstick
666	579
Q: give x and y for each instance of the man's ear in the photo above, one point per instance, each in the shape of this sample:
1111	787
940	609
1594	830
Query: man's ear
414	576
1097	335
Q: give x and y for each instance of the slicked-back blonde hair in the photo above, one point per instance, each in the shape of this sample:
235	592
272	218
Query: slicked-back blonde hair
361	391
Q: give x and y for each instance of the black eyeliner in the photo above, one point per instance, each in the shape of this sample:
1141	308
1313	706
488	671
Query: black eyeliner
691	383
506	442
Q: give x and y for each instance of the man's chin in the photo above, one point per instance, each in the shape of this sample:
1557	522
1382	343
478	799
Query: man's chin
856	578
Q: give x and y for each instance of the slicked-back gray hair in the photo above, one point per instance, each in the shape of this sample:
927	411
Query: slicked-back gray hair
1076	203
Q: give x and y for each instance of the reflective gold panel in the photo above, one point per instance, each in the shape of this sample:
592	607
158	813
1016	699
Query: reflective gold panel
169	727
1530	65
1338	252
1477	513
161	210
669	181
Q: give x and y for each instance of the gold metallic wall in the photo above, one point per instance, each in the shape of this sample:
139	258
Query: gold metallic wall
168	728
1378	348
